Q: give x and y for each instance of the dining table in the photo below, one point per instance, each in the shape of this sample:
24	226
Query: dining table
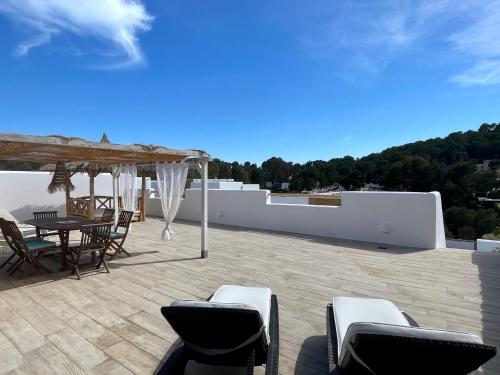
63	225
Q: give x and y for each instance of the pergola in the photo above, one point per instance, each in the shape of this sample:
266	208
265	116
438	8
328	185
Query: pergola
95	155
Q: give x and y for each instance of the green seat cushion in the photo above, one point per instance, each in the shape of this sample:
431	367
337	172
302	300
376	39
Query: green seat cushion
116	235
31	239
39	244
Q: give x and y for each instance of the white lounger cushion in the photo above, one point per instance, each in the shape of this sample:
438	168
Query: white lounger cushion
260	298
25	229
349	310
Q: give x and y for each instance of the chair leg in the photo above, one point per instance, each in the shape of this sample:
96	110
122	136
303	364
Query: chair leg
75	268
102	261
37	264
8	260
17	266
118	247
14	264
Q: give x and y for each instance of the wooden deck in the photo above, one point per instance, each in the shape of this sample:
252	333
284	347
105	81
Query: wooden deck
111	323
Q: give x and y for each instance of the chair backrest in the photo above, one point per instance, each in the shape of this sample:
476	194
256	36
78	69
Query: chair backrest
13	236
125	219
216	328
108	215
95	236
45	215
376	348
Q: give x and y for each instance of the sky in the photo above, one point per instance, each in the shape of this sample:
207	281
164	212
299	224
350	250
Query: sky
247	80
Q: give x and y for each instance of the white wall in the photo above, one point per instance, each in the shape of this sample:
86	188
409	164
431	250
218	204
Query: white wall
290	199
225	185
22	193
489	246
404	219
460	244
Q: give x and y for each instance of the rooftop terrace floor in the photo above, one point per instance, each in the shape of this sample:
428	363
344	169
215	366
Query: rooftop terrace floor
111	323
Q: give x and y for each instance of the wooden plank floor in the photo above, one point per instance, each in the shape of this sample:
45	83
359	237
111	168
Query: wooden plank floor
111	323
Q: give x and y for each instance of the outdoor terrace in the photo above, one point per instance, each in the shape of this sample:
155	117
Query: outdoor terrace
111	323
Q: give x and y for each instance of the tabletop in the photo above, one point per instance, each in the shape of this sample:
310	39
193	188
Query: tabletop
61	223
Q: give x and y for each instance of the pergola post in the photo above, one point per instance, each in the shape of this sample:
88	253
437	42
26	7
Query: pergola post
116	174
204	209
68	197
92	173
142	173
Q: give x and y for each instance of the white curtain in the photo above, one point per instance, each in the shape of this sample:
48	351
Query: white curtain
128	191
171	182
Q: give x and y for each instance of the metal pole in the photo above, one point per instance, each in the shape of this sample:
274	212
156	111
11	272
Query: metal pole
116	174
204	209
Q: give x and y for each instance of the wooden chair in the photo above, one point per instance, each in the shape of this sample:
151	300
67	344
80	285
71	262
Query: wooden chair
108	215
118	238
40	215
28	250
95	240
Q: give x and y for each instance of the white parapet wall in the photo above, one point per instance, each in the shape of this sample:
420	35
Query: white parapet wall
489	246
23	193
403	219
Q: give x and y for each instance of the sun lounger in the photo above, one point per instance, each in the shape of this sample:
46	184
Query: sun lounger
371	336
237	326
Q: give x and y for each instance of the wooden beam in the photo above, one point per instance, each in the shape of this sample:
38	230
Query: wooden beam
52	149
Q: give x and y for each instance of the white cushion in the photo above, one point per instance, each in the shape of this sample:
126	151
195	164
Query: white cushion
349	310
25	229
5	214
260	298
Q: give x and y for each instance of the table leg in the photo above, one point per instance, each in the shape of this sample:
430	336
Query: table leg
64	238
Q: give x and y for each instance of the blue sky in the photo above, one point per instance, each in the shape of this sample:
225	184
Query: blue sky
250	80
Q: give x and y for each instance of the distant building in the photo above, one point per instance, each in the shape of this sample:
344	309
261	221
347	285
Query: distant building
283	186
483	167
224	184
488	202
371	187
329	189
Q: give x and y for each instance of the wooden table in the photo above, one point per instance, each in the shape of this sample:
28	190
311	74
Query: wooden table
63	225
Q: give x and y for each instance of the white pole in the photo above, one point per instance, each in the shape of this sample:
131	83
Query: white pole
116	174
204	209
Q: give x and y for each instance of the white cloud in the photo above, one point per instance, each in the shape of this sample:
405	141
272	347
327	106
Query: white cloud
368	36
345	139
116	23
484	73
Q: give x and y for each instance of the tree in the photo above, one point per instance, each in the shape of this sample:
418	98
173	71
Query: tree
277	169
485	221
239	173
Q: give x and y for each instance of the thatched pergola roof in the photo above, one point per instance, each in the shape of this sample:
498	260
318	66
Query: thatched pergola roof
55	148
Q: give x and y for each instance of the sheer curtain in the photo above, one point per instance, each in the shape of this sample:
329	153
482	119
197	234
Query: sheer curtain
171	182
128	191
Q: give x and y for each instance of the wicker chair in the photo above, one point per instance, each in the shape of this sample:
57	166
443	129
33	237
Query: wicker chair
118	238
238	326
27	250
95	240
371	336
40	215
